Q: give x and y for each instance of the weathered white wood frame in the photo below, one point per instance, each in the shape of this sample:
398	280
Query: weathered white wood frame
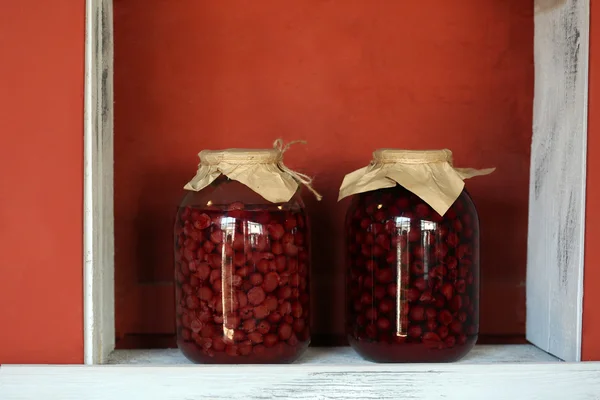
557	181
98	216
557	199
361	382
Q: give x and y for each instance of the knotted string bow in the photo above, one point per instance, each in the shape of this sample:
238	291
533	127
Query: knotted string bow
302	178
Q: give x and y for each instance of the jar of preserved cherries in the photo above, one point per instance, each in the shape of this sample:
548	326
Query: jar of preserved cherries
413	258
242	260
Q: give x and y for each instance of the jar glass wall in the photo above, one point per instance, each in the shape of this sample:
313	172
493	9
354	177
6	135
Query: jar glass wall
242	276
412	277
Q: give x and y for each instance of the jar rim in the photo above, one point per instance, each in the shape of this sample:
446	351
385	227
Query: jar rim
384	156
240	156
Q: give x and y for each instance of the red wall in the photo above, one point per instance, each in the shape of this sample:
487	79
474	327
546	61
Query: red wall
591	295
41	114
193	76
349	77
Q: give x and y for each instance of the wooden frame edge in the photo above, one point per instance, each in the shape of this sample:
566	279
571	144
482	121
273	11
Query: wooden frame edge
98	232
385	381
556	237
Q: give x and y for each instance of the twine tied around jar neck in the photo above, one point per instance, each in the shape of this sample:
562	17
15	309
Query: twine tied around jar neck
300	177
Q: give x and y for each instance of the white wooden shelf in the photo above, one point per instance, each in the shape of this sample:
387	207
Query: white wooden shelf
488	372
483	354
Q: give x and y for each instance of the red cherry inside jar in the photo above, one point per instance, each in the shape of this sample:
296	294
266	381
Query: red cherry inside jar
412	278
242	276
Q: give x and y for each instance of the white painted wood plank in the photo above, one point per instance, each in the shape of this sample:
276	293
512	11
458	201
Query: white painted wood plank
98	234
557	180
309	381
483	354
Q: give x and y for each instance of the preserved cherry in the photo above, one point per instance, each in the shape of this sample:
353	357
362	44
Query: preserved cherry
241	271
413	277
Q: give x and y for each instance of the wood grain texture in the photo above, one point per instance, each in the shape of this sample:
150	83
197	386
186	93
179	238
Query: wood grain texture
98	235
590	344
557	187
375	381
484	354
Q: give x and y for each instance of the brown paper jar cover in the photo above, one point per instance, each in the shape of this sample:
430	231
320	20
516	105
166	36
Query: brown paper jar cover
427	173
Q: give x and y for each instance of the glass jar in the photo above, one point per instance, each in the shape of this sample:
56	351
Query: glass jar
412	274
413	279
242	276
